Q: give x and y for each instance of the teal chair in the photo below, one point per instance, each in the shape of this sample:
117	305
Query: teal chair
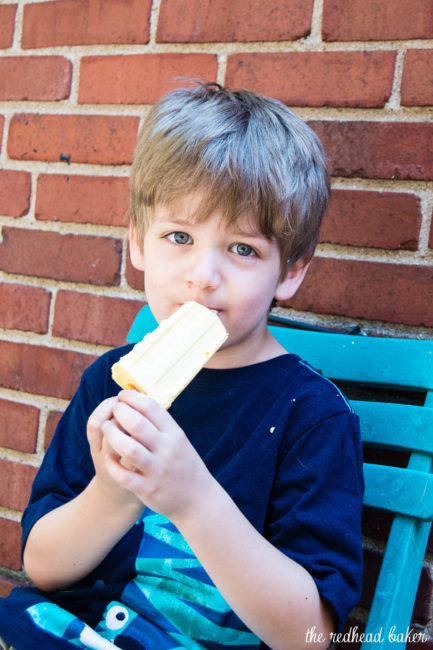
402	369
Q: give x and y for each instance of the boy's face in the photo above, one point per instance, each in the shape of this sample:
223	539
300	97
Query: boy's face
234	270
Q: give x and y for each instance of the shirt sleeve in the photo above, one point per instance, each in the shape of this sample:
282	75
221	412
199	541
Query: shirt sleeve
67	467
316	509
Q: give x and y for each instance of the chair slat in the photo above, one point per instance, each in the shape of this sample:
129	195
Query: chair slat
397	585
363	359
396	425
401	490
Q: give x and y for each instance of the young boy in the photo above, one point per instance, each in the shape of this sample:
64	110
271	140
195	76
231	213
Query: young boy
233	519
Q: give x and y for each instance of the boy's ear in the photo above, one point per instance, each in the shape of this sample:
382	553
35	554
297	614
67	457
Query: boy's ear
293	279
135	250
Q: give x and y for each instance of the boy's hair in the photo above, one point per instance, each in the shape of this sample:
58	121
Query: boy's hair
248	154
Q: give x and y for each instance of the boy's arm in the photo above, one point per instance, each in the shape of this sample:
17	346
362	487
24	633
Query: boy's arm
68	542
274	596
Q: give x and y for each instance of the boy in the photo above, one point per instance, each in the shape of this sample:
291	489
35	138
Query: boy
233	518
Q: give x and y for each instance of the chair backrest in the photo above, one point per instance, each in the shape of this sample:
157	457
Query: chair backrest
385	363
391	362
400	370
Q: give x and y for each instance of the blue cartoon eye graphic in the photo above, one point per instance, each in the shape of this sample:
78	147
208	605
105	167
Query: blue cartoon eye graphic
117	617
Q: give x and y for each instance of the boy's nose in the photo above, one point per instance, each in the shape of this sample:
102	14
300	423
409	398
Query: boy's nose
204	271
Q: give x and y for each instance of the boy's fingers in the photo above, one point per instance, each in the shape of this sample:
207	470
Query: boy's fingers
102	413
148	406
131	453
123	476
108	451
135	424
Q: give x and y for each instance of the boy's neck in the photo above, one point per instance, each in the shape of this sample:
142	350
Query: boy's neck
263	348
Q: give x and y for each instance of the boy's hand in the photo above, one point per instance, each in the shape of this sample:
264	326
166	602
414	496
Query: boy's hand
100	450
168	475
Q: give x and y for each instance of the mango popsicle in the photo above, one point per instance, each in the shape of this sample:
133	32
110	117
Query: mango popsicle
167	359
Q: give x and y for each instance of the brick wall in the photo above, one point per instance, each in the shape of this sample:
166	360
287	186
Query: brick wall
76	79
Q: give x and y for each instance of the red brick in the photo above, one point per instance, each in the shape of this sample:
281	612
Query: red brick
367	20
20	426
316	78
44	78
40	370
15	483
395	150
139	78
390	220
95	139
15	188
7	25
417	81
134	278
199	21
7	584
85	22
396	293
24	308
10	544
50	426
95	319
74	258
100	200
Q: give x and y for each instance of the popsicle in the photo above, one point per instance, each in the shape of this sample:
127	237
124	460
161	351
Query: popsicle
167	359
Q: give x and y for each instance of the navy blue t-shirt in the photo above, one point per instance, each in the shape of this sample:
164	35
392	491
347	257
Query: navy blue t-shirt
282	441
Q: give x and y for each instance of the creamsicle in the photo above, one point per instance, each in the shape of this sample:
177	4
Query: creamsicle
167	359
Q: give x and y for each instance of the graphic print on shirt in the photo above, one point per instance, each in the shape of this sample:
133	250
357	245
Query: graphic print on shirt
170	604
63	624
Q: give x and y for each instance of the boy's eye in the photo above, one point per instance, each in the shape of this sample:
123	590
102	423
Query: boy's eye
179	237
243	249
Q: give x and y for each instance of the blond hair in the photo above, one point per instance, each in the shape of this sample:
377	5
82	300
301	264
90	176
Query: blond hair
248	154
